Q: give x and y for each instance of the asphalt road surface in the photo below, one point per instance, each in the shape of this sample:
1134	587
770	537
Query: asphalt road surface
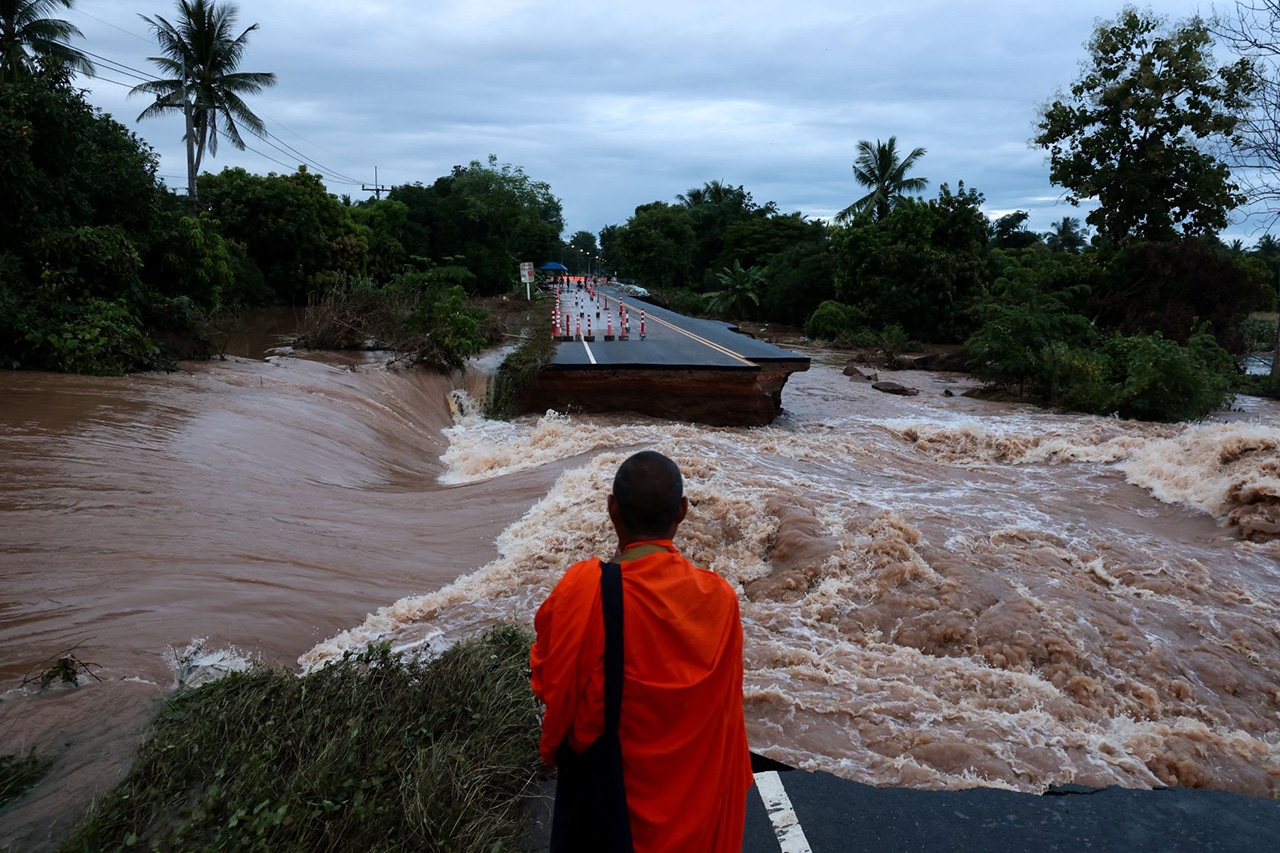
793	811
670	340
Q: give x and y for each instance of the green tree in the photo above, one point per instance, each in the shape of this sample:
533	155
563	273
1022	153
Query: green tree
1010	232
798	280
299	236
879	168
200	59
81	284
1135	131
583	251
28	34
739	293
922	267
489	216
658	245
756	240
713	209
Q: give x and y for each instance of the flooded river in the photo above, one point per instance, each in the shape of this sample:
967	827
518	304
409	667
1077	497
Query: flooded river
937	591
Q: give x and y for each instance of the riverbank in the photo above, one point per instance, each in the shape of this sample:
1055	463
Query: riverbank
376	751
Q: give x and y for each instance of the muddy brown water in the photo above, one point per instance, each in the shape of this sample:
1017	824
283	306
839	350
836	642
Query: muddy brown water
937	591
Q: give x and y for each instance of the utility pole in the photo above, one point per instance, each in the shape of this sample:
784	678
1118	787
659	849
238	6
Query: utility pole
377	189
191	147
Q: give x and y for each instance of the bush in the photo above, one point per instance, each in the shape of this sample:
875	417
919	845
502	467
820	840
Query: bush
680	300
1161	381
834	320
421	315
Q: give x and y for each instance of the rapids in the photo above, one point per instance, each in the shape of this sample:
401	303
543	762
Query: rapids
937	592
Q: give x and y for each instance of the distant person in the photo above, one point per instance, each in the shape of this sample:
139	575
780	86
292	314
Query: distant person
665	767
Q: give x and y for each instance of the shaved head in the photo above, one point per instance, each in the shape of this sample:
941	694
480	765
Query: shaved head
648	489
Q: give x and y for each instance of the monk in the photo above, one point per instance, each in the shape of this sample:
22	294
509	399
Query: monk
685	767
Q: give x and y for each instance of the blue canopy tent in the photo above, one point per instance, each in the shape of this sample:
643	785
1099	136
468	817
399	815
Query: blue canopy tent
552	265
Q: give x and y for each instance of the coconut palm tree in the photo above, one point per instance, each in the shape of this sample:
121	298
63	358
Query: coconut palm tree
739	292
1066	235
878	168
200	58
28	34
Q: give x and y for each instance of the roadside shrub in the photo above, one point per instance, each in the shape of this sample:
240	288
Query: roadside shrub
1076	378
680	300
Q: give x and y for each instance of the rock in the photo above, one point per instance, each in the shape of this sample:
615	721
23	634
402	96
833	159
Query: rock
853	372
947	393
895	388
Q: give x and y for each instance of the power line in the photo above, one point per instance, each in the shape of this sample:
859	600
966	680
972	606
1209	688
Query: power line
113	26
130	71
109	80
304	139
119	67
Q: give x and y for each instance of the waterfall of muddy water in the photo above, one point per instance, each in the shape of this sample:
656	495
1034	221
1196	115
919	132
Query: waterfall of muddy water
937	591
254	507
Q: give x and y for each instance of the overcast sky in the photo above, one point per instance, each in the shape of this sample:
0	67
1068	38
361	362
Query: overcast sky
617	104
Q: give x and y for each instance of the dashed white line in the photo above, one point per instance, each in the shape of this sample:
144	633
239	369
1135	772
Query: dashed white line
590	354
781	813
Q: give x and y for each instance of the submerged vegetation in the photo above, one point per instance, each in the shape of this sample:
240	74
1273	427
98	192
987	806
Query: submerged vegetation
19	773
377	751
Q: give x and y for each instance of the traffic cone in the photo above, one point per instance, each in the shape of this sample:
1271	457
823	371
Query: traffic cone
642	324
589	337
579	336
608	335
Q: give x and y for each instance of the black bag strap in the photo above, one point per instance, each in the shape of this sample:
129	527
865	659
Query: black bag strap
611	599
591	814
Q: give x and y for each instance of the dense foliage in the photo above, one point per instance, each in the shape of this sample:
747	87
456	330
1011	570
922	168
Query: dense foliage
489	217
84	215
1134	132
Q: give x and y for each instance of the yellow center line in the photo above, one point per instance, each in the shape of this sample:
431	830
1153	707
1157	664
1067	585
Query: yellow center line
704	341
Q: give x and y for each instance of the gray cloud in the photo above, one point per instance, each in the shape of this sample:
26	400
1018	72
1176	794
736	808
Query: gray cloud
620	104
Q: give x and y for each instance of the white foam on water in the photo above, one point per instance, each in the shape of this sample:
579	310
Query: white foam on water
197	665
930	602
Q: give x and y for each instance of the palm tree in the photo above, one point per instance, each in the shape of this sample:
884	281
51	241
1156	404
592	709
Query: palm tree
739	293
878	168
200	57
27	34
1066	236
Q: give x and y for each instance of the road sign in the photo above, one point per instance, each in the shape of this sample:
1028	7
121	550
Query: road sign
526	272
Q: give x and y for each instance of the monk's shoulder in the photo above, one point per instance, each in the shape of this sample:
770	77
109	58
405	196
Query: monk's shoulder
580	577
712	583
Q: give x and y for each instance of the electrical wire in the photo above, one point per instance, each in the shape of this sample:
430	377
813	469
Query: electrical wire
129	71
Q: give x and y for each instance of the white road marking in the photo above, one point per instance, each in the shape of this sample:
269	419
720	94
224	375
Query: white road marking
590	354
785	823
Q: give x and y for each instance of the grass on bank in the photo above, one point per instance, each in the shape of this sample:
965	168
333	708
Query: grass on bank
19	773
378	752
509	389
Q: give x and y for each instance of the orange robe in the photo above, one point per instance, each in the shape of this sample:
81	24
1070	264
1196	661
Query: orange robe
686	767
